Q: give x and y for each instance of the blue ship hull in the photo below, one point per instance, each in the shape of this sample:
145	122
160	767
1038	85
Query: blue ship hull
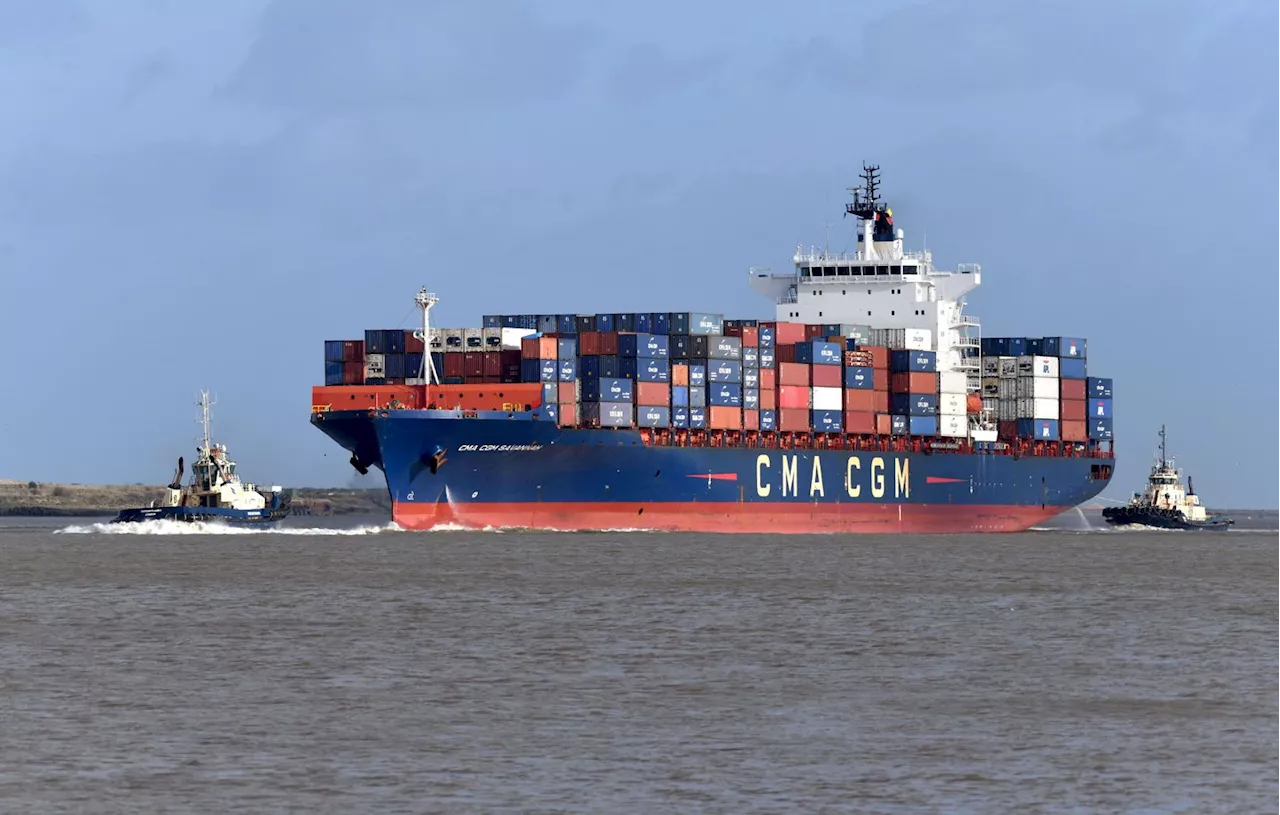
515	471
239	517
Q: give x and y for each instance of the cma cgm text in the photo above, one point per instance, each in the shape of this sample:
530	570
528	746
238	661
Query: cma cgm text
875	478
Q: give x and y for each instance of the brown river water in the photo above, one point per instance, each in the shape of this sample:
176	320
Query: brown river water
323	669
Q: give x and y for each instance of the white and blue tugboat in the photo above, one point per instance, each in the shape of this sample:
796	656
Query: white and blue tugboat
215	493
1166	504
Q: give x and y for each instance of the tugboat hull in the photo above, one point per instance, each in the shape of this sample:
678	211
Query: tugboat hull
1162	519
237	517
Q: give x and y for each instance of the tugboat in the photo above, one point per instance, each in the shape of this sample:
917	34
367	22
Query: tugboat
215	493
1166	504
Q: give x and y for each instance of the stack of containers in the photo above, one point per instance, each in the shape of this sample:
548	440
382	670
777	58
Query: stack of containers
645	359
723	359
343	362
1072	385
539	359
766	338
913	390
749	337
1098	408
1039	392
859	390
953	404
824	363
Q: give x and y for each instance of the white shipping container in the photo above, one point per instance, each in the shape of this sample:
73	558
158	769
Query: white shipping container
1037	387
492	338
1038	409
454	341
1038	366
511	337
1009	389
953	382
1008	367
415	382
992	405
828	399
375	366
991	387
991	366
952	404
917	339
1008	410
953	426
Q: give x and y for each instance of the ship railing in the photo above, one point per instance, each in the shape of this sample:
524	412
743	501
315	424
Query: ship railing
815	255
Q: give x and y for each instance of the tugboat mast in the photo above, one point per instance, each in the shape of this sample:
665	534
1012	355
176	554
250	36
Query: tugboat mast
1163	457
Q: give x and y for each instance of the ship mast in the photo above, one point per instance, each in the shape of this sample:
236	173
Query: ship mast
425	300
1163	457
205	404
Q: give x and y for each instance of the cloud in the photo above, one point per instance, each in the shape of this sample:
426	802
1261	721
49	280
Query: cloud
334	55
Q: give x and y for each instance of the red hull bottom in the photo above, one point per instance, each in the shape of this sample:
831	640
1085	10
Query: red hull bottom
786	519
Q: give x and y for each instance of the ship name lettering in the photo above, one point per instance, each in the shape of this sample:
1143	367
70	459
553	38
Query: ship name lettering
877	477
790	475
854	463
762	489
815	479
901	481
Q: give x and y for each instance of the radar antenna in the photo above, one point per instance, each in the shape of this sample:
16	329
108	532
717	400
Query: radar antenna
1163	457
425	300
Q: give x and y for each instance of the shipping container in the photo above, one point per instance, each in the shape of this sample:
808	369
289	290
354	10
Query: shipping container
592	367
680	417
697	418
750	357
333	350
991	387
700	323
913	383
1064	347
413	365
723	370
952	404
899	424
1074	431
826	376
768	378
645	346
953	382
1072	368
858	378
697	374
884	424
914	404
819	352
794	420
788	334
750	419
1101	429
1100	409
859	422
454	367
604	322
513	338
653	416
827	421
1009	367
768	420
880	401
990	366
827	399
720	347
608	389
653	393
793	397
561	391
473	340
768	400
750	377
568	370
680	395
1038	366
1073	410
901	361
374	366
539	348
585	322
352	373
724	418
1029	408
1037	387
1038	429
333	372
952	426
645	370
919	425
793	373
531	370
643	322
608	414
724	394
680	374
1097	388
768	358
1070	389
751	398
568	414
859	401
492	339
660	323
766	334
492	320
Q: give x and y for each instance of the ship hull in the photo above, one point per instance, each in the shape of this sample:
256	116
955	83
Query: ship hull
224	515
1160	519
516	472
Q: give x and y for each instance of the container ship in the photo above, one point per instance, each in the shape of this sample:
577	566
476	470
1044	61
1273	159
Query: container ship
871	402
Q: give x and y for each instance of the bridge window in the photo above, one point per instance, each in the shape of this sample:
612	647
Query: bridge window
882	270
843	271
908	269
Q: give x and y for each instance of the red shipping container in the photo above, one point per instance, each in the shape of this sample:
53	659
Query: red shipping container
491	380
784	353
750	420
793	420
568	414
859	401
353	351
860	421
884	424
454	365
768	379
680	374
412	345
880	401
567	392
538	348
1007	430
793	397
609	343
589	343
793	373
492	363
353	373
812	331
914	382
733	331
1072	389
720	417
1074	431
827	376
880	379
787	333
1073	410
750	337
473	364
653	394
768	399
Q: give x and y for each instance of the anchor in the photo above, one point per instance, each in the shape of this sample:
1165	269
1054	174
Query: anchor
436	460
359	465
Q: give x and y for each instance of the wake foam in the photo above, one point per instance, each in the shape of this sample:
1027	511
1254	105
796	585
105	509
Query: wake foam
167	527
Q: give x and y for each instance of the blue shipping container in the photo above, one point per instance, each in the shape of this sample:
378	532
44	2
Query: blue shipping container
766	337
913	361
1069	368
437	359
393	366
608	414
645	370
604	322
680	417
550	392
413	365
697	375
644	346
819	352
373	342
1039	429
1065	347
724	348
624	322
1097	387
767	358
375	380
607	390
568	370
851	344
859	378
724	394
643	323
703	323
548	412
566	324
751	357
1098	408
697	396
566	348
333	351
768	420
826	421
750	377
680	395
751	398
1101	429
914	404
661	324
923	425
1015	347
548	324
651	416
333	373
697	418
898	425
831	330
491	321
539	370
723	370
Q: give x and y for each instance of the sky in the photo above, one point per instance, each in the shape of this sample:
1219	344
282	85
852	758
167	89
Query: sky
197	195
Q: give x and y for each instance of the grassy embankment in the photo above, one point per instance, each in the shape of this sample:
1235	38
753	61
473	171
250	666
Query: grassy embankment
28	498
